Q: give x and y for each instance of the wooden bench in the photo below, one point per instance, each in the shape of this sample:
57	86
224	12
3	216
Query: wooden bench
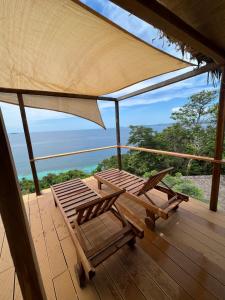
79	204
136	187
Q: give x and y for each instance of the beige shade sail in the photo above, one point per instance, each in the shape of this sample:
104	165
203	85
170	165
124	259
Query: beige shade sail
84	108
61	45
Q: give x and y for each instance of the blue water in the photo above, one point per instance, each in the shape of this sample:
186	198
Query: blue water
47	143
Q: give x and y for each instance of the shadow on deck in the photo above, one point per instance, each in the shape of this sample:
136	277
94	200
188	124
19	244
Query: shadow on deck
183	259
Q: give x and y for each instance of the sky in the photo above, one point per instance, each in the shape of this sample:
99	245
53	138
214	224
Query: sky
150	108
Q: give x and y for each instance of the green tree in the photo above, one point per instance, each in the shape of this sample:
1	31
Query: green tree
194	130
197	110
27	185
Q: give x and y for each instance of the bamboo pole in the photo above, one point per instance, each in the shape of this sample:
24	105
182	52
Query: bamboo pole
219	146
29	144
117	115
16	226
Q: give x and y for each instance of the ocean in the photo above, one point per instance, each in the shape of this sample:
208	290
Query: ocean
55	142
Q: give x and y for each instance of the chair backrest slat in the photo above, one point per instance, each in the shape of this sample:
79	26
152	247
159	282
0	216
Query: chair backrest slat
97	207
153	181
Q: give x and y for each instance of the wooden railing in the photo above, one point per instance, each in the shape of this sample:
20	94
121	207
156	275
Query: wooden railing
73	153
175	154
155	151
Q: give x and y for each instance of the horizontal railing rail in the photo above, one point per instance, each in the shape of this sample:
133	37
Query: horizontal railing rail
155	151
175	154
73	153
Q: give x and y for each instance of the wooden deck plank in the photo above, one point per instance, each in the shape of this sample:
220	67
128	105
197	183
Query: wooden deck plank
122	279
5	258
192	248
149	288
104	285
40	247
64	287
59	224
87	293
199	274
17	290
151	269
145	267
7	284
2	234
202	223
55	255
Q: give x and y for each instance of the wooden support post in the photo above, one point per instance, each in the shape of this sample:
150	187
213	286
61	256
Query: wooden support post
117	114
16	226
219	145
29	144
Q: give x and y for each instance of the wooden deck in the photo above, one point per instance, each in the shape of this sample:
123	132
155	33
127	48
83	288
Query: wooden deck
183	259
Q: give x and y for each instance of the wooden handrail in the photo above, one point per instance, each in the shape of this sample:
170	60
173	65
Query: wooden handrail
160	152
73	153
175	154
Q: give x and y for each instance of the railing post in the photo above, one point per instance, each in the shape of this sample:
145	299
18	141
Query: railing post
16	225
117	115
219	145
29	144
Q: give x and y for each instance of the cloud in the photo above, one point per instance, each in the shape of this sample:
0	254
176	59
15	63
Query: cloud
175	109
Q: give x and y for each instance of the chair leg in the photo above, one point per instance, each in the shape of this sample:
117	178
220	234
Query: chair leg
55	203
99	185
176	207
80	274
132	242
150	219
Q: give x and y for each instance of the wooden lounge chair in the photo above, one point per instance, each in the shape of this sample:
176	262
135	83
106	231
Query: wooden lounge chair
79	204
136	187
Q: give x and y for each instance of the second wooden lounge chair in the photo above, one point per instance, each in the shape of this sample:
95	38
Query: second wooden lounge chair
79	204
136	187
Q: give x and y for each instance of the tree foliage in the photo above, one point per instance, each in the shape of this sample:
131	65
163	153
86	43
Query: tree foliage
27	185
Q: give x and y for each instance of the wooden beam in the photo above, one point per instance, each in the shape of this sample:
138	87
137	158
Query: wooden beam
176	154
117	116
54	94
154	13
219	146
167	82
73	153
16	226
29	144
